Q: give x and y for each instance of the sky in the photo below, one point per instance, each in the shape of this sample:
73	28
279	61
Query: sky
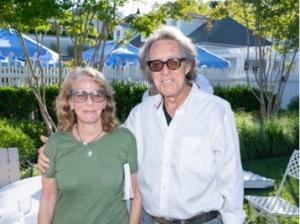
143	5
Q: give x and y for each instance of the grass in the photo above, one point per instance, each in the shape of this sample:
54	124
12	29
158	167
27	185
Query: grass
273	168
271	138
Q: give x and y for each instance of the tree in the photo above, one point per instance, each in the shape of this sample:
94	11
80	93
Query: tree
179	9
75	17
90	22
25	15
144	24
277	21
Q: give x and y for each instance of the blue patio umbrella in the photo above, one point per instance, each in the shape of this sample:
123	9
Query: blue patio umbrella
211	60
88	54
16	62
121	56
130	54
3	60
10	45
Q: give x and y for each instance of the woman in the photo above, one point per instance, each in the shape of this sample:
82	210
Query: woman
84	183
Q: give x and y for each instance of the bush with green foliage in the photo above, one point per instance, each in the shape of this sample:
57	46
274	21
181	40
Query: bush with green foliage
127	95
239	96
33	129
16	103
51	94
270	138
294	104
19	103
12	136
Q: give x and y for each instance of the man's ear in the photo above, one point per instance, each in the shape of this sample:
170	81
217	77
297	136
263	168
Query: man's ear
187	68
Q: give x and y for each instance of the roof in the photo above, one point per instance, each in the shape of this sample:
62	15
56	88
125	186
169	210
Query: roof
223	32
137	42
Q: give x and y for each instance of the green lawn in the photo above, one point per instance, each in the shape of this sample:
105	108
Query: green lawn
273	168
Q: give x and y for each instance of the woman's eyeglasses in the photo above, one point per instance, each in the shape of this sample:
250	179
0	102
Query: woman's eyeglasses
80	96
172	64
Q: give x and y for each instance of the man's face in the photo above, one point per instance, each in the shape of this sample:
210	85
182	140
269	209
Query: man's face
170	81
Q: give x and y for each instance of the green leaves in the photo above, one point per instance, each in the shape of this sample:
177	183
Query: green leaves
28	14
179	9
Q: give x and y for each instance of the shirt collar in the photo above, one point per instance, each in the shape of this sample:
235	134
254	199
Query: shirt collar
158	100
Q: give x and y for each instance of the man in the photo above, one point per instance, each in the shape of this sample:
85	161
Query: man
188	150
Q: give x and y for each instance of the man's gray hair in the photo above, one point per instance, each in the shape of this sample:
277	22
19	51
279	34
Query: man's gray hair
169	33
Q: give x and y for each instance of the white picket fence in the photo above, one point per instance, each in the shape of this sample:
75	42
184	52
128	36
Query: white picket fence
18	76
227	77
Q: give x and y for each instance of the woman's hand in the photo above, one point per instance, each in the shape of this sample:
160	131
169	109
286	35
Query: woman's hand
43	161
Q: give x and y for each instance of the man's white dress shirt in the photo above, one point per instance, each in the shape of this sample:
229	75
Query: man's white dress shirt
193	165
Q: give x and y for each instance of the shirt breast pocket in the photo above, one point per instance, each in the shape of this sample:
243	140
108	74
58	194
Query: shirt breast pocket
196	158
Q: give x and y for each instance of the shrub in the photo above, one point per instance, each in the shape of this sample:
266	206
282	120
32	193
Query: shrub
51	94
239	96
293	104
33	129
270	138
19	103
127	95
16	103
14	137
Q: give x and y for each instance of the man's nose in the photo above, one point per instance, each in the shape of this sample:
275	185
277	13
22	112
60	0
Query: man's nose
165	70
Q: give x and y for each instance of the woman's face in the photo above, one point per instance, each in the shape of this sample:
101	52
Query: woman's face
88	100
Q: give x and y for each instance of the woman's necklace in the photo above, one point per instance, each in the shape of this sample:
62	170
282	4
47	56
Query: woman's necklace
85	143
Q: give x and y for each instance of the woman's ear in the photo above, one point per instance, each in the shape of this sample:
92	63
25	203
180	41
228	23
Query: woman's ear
71	104
104	105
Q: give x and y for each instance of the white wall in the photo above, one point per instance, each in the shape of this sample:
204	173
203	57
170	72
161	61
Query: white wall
119	33
50	40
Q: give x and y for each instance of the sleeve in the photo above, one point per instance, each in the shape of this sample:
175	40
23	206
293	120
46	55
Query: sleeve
229	170
51	152
132	155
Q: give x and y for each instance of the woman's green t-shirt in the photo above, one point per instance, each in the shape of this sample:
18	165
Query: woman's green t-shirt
90	189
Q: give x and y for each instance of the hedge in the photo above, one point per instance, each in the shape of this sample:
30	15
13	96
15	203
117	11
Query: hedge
15	137
126	97
239	96
16	103
20	103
